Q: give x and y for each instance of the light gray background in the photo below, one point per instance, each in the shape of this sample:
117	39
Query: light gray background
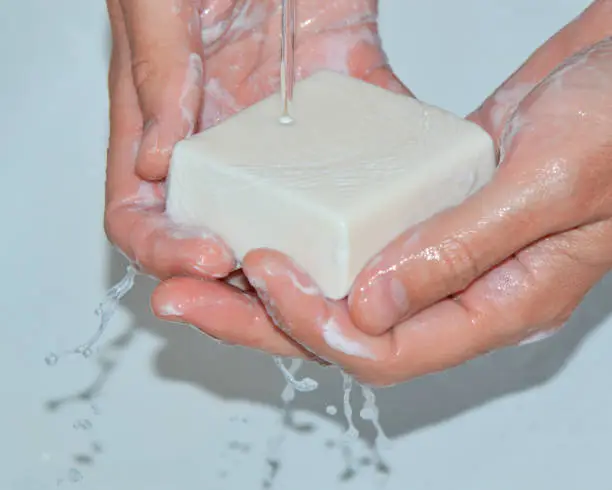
168	406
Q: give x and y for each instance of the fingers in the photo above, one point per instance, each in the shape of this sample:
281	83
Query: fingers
222	312
167	70
134	218
162	249
534	292
533	194
296	306
554	176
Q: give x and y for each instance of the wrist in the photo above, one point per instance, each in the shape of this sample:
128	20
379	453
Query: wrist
592	26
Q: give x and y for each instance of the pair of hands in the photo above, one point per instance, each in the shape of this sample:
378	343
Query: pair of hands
510	263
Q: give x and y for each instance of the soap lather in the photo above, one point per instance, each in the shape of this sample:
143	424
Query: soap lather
358	167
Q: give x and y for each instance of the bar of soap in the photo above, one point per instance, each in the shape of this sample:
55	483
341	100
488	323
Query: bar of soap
358	166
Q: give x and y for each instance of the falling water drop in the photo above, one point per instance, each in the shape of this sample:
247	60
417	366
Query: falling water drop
51	359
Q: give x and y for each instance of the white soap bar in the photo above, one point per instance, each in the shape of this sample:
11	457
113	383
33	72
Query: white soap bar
358	166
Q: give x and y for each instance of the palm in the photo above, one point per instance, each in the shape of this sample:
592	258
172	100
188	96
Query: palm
241	44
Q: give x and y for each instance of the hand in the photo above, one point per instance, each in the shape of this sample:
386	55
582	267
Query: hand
161	91
156	86
511	262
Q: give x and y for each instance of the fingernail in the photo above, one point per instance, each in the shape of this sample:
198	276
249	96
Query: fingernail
385	302
151	144
170	311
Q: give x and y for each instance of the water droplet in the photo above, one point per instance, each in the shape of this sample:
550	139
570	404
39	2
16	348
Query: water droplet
331	410
51	359
105	311
285	119
367	414
74	475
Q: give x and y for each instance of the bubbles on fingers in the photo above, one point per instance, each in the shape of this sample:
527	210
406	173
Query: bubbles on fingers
223	312
191	93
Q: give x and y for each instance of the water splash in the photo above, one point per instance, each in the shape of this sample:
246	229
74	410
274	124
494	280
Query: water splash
304	385
331	410
287	396
105	311
370	412
351	433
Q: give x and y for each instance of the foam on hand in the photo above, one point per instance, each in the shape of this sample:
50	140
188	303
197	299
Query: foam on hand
358	166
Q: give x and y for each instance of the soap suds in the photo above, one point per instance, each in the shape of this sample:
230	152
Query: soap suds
218	104
179	232
538	337
191	89
148	195
309	290
245	18
338	47
506	100
335	339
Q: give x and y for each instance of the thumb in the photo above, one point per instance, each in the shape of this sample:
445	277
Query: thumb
168	75
442	256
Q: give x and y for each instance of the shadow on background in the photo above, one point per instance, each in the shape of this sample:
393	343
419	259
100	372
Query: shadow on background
235	373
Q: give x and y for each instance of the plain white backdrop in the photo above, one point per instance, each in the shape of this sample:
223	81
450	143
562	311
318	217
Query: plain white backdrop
161	407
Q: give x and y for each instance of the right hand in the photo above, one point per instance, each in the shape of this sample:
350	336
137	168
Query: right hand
161	92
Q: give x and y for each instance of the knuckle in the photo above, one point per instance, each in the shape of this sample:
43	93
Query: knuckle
459	263
144	71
